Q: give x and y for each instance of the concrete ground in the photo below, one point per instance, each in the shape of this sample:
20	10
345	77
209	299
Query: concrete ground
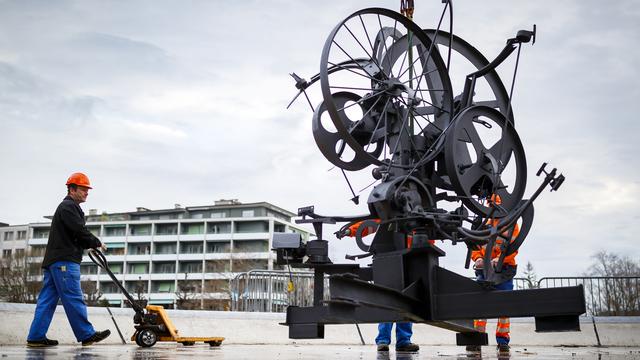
286	352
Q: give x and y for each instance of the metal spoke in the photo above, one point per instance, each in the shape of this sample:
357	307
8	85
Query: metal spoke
355	72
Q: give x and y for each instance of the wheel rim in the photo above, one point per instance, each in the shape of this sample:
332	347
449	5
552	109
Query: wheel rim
377	41
148	337
500	99
478	169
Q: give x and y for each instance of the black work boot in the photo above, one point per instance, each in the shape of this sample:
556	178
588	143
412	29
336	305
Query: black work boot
503	349
96	337
410	347
42	343
383	347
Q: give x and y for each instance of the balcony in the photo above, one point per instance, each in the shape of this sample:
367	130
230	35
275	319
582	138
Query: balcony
164	257
139	238
166	237
251	236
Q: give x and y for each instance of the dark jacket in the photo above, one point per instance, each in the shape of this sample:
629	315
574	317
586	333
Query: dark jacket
68	236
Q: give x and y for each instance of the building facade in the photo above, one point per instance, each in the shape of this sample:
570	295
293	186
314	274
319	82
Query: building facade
178	256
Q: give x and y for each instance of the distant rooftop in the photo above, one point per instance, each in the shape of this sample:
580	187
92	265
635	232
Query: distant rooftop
220	209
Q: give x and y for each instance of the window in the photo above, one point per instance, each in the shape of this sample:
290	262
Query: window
190	286
109	288
88	269
20	253
252	226
192	229
250	246
219	228
95	230
163	286
140	230
135	287
191	267
279	227
114	230
199	215
139	249
166	229
8	236
217	266
219	214
38	250
218	247
191	248
164	267
22	234
164	248
116	268
40	233
141	268
6	253
248	213
115	249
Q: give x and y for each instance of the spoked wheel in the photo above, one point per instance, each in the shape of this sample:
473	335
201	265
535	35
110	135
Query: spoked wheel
332	145
397	82
483	156
466	59
146	338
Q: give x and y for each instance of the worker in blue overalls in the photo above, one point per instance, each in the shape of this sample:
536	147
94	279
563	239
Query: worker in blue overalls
68	238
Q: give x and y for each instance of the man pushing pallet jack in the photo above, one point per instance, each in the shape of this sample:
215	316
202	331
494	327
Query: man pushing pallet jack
153	324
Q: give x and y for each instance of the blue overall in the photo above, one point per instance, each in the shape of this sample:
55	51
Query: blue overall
403	333
61	281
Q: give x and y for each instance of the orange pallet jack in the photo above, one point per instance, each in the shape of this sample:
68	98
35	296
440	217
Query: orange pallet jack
152	323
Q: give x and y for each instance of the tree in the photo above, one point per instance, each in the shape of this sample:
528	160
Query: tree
18	278
186	295
92	294
619	292
530	275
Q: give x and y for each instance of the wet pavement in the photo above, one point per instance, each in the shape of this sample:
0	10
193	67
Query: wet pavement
201	351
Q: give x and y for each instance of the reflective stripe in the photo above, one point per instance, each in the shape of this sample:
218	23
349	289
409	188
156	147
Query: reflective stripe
503	320
480	325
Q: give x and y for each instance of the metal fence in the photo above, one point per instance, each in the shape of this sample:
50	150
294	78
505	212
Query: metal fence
266	291
604	295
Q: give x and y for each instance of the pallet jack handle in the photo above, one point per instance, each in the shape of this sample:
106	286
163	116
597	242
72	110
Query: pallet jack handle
99	259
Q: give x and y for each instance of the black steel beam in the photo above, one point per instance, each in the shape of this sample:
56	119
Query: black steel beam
517	303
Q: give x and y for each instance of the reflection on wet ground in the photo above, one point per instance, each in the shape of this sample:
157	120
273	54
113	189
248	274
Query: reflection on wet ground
285	352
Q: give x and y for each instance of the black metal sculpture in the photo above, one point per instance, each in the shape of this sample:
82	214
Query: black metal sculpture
388	104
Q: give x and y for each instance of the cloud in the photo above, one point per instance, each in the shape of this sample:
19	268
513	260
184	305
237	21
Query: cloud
186	103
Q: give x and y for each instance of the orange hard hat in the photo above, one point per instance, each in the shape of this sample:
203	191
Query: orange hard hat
79	179
495	199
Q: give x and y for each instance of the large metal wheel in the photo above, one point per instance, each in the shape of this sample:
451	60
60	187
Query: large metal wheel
146	338
482	165
465	59
398	83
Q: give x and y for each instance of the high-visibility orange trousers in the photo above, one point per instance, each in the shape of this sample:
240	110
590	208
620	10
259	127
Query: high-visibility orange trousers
502	330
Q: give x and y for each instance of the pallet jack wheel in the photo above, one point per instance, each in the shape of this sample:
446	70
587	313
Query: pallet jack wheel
214	343
146	338
135	337
188	343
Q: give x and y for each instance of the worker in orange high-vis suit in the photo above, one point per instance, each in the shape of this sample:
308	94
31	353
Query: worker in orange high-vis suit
509	267
404	330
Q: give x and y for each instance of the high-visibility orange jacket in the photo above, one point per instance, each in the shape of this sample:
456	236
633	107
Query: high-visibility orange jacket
508	260
370	230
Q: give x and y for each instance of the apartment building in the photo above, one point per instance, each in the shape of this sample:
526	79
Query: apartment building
185	254
13	239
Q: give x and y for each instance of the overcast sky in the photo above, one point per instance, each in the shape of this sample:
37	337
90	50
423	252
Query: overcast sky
164	102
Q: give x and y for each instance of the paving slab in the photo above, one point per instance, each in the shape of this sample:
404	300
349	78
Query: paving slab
289	352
